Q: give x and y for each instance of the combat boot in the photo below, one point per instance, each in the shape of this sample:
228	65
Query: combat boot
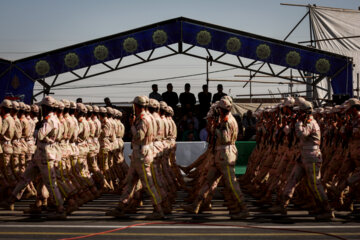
156	215
325	216
57	216
8	204
241	215
278	209
192	208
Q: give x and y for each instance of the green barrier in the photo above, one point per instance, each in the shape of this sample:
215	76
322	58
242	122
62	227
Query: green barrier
245	149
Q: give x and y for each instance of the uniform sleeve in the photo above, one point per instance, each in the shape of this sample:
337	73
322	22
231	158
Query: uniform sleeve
141	129
223	133
81	128
45	130
301	130
5	126
105	130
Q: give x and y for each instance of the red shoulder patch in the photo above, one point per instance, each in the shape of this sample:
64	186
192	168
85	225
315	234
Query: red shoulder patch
47	117
142	116
226	118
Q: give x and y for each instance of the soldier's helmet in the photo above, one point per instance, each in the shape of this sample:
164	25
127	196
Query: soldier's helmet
72	105
96	109
6	103
15	105
153	103
225	104
22	106
352	102
306	106
226	97
35	108
48	101
89	108
61	105
170	110
140	100
66	103
27	108
81	108
299	100
163	105
147	100
119	113
110	110
103	110
289	102
56	104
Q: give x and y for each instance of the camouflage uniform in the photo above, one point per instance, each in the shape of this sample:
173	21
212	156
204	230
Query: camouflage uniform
44	159
141	159
224	164
16	141
7	134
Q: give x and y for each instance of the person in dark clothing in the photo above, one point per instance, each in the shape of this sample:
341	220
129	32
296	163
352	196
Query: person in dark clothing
191	134
219	94
204	100
154	94
171	98
108	103
187	99
79	100
249	123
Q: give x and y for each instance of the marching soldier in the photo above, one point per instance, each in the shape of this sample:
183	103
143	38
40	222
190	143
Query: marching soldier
308	132
141	160
43	161
224	165
6	136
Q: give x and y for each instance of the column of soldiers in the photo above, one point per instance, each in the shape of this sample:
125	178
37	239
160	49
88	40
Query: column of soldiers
217	165
153	166
76	152
296	145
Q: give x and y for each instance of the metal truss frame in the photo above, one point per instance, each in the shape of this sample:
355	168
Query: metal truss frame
252	67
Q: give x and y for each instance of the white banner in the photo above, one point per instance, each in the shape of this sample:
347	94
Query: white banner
330	23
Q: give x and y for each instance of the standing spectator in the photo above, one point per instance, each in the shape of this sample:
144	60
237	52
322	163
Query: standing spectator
219	94
249	123
108	103
154	94
170	97
204	100
187	99
240	127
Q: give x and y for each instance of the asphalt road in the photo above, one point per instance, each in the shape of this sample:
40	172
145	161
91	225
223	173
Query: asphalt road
215	224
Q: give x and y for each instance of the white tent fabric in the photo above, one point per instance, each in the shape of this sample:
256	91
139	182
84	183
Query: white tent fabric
329	23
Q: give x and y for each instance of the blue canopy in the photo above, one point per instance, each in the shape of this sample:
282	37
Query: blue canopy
18	77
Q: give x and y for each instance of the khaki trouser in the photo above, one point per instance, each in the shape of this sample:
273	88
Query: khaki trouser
140	168
225	158
309	167
43	164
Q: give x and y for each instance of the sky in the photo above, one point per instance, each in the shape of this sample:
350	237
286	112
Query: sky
36	26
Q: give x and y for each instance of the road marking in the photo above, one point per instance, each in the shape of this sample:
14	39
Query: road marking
180	226
180	234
